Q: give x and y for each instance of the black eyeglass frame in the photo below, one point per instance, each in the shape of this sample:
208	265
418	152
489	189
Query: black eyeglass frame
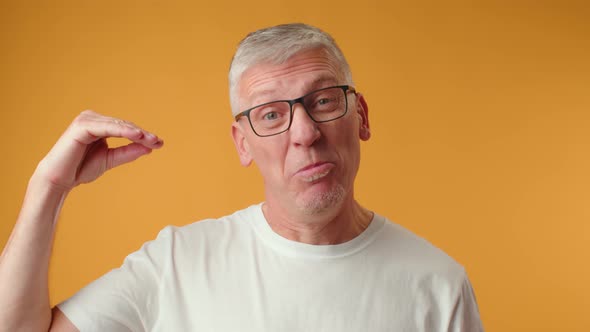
345	89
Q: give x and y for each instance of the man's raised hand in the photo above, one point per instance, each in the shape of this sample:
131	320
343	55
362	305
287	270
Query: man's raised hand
81	154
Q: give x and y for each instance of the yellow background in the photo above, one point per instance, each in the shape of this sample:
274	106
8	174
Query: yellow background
480	115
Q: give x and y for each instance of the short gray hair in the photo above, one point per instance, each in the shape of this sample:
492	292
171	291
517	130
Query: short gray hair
276	45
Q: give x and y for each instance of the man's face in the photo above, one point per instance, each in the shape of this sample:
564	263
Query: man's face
312	166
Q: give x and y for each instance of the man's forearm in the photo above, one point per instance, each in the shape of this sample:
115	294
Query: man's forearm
25	260
80	155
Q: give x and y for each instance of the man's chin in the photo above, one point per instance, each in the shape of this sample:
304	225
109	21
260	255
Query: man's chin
321	201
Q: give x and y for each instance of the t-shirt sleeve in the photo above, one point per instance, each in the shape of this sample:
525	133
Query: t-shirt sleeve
465	316
124	299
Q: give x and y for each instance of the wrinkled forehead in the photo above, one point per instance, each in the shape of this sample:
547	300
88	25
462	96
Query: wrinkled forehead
305	71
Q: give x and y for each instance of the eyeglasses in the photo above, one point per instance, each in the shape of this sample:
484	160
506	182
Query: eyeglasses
321	105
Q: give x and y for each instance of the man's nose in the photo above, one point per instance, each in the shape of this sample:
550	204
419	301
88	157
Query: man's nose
304	131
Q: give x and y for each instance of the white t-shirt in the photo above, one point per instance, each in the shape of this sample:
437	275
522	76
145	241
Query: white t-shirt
236	274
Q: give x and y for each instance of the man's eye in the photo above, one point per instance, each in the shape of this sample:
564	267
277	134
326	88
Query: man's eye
324	101
271	116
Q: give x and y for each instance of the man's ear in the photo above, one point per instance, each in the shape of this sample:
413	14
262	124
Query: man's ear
241	144
363	110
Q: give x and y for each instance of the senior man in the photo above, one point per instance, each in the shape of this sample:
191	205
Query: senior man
309	258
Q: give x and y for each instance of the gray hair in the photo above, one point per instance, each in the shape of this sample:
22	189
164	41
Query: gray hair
276	45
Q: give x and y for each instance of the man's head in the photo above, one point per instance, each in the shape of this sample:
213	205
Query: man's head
309	168
276	45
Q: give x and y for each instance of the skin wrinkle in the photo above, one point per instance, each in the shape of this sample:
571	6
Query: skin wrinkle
262	77
323	211
360	216
261	97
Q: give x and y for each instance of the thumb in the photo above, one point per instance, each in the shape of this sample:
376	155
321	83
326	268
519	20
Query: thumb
124	154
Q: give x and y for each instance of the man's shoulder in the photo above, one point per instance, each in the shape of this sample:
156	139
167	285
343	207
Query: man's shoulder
235	219
215	226
412	252
206	231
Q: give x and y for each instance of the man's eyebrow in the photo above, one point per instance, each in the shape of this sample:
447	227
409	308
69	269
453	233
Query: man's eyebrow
315	84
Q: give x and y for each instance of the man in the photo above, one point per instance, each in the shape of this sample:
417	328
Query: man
309	258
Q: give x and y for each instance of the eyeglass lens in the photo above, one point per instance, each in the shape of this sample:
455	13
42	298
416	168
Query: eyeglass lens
275	117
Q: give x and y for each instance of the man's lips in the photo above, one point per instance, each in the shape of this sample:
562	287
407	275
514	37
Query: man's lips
314	171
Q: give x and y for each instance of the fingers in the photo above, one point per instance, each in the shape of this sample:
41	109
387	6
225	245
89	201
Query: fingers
125	154
82	154
89	127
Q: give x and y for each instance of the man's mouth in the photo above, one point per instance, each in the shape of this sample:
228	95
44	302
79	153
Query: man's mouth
314	172
316	176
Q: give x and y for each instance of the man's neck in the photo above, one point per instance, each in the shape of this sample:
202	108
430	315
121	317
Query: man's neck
329	227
